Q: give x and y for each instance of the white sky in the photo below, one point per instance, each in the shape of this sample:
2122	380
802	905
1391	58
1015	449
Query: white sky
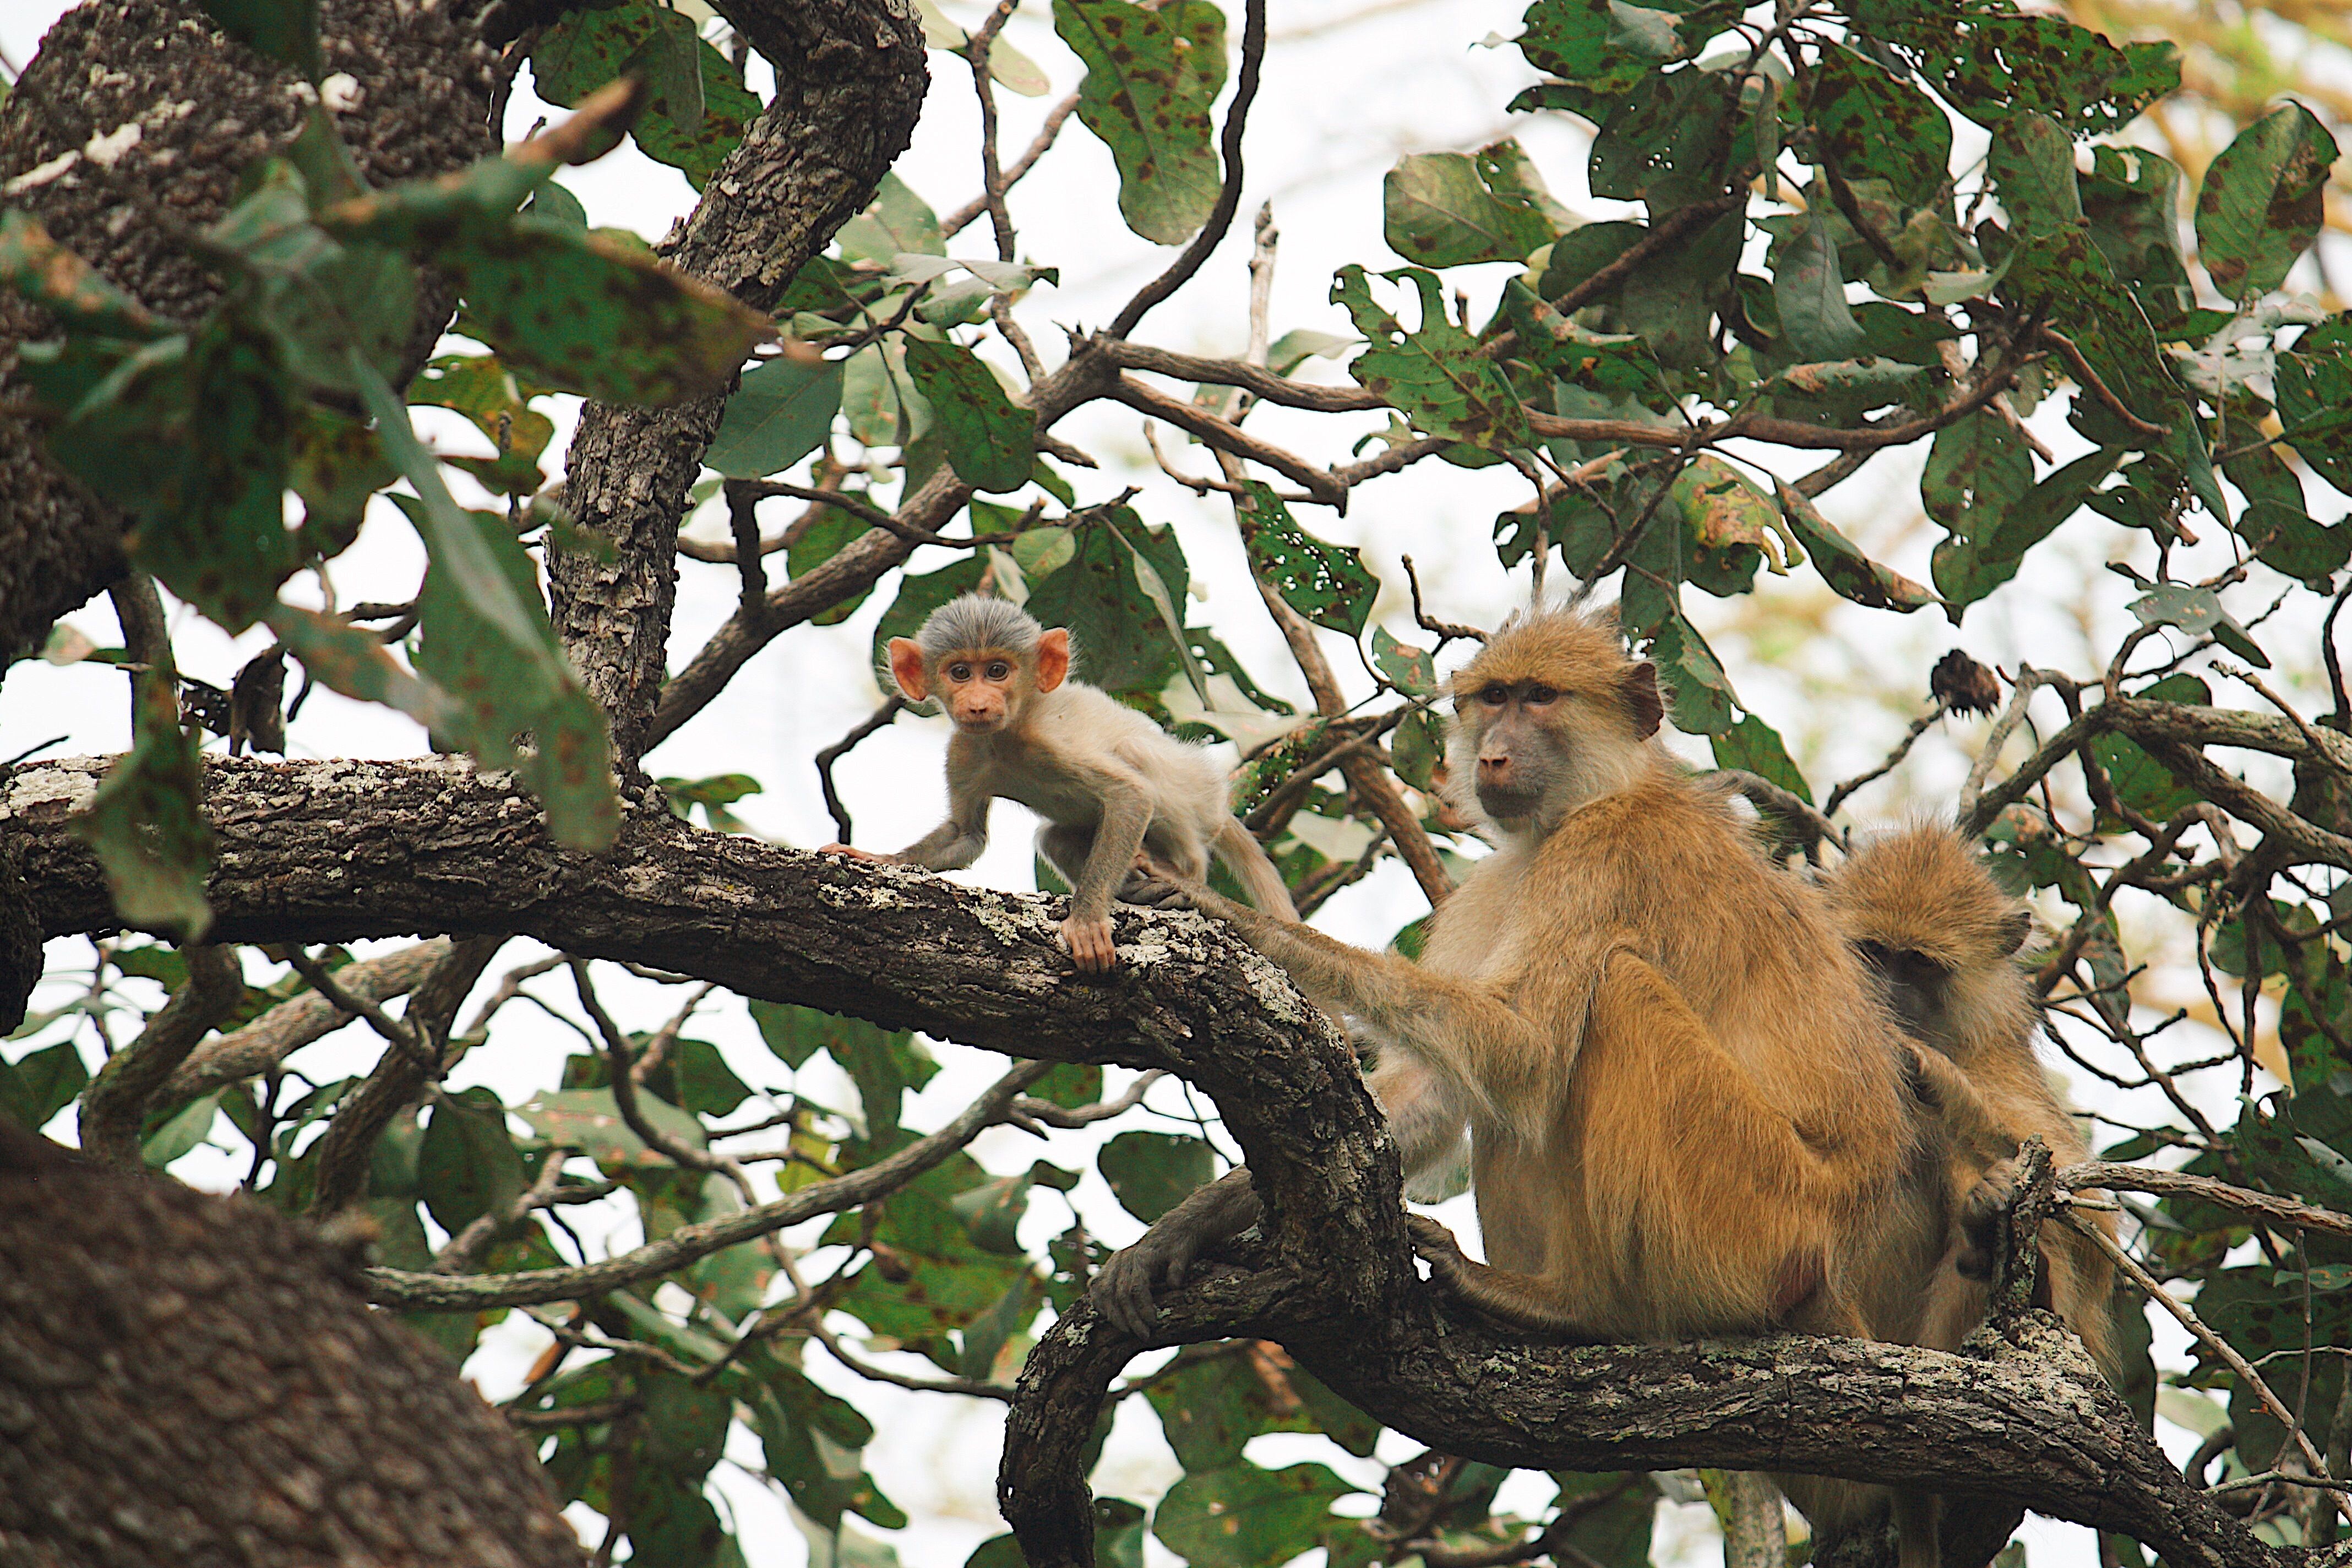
1342	100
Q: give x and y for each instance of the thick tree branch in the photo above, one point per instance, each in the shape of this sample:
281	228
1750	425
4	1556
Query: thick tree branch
344	849
849	83
297	1022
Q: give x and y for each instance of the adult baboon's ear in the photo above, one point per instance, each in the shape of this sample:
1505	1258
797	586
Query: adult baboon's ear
2014	929
1644	709
906	668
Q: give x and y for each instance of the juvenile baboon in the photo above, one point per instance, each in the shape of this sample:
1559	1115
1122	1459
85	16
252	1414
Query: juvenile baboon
1120	795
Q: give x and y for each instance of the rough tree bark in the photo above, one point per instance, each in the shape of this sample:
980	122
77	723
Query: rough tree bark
849	85
331	851
189	1380
135	119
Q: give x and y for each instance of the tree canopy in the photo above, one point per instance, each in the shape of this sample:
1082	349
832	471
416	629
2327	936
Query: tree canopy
1816	251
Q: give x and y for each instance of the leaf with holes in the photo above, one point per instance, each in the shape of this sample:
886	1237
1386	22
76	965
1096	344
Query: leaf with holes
1698	693
1995	65
988	438
1434	373
1151	77
2261	204
1325	582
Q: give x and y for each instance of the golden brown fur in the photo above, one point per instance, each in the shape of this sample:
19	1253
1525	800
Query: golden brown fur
1690	1111
1922	908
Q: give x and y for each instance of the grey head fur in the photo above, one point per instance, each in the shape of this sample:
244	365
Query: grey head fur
977	621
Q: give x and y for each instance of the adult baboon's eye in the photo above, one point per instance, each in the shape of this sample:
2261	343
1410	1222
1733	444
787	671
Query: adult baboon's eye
1539	695
1495	696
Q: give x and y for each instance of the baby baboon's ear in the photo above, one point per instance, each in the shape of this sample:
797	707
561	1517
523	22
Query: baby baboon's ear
1644	709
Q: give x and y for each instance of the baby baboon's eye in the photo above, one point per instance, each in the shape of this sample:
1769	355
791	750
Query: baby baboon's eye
958	673
998	669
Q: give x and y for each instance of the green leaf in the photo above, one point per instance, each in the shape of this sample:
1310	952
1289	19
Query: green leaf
1434	374
1123	643
1325	582
1815	321
2197	611
795	1033
2261	204
40	1084
468	1164
179	1133
588	1120
1151	77
1579	41
1848	572
1243	1517
696	107
782	413
1416	747
1756	746
1998	64
1867	124
335	465
146	827
342	657
285	30
896	223
583	310
706	1085
884	1066
1698	693
67	287
500	684
1412	670
216	534
2314	402
484	391
1448	209
988	438
1669	140
2288	540
2031	162
1152	1172
2132	198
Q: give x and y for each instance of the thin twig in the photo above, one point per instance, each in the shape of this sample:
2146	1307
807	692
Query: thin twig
1028	1109
2239	1365
625	1095
2099	389
399	1035
1446	630
892	705
1838	795
964	217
